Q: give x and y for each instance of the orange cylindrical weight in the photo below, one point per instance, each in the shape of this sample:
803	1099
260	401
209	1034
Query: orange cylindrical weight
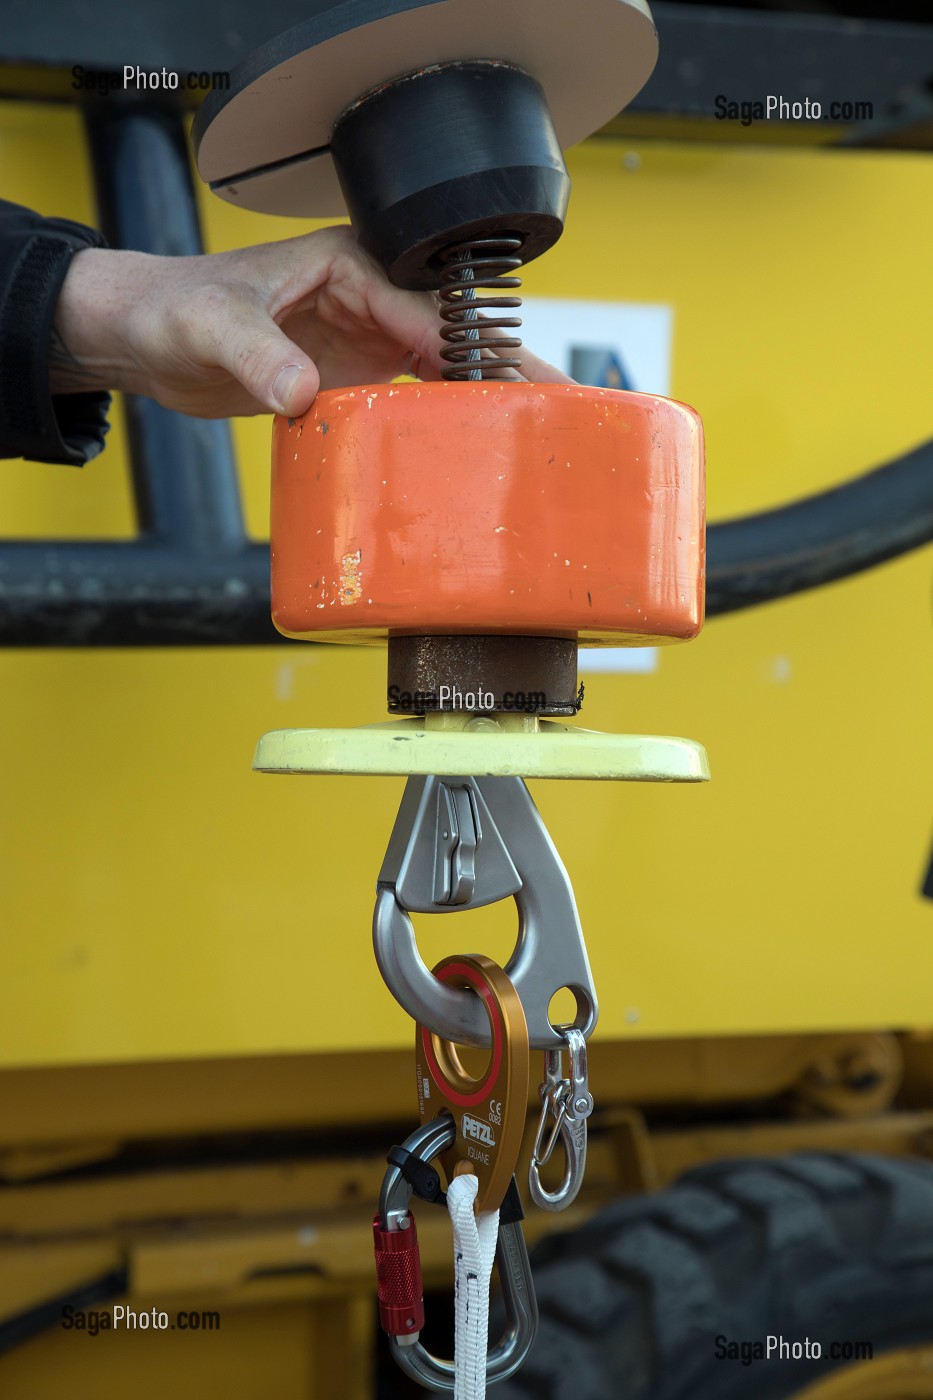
541	509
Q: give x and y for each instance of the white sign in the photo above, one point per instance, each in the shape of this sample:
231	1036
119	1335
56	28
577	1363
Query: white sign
636	335
635	660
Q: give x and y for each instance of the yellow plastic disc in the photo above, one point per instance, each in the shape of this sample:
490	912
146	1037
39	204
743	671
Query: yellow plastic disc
512	746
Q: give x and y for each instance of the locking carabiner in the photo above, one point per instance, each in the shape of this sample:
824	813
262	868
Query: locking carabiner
401	1306
568	1102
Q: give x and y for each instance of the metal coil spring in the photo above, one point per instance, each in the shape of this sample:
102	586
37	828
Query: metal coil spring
479	263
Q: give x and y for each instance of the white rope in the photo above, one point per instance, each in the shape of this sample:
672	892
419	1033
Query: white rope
474	1253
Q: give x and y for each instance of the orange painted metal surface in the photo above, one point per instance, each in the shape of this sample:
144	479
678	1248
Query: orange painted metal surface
542	509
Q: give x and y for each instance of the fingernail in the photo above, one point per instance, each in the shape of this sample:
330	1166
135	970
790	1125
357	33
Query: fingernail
284	383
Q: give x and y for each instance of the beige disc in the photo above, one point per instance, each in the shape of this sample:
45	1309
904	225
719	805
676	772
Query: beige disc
264	144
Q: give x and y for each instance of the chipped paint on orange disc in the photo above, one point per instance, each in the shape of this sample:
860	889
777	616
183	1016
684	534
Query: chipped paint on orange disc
540	509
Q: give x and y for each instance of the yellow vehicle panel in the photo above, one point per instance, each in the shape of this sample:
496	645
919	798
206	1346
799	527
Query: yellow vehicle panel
159	900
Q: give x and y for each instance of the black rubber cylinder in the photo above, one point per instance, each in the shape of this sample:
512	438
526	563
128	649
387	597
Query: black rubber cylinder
446	154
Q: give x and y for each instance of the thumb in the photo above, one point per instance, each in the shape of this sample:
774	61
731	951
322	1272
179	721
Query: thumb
261	357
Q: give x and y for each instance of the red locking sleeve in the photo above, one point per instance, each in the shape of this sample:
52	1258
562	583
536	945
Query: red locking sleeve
398	1279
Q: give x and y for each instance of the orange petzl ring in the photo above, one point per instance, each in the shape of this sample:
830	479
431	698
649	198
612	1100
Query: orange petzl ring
484	507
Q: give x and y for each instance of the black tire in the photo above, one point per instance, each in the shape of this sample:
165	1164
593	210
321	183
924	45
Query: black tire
834	1248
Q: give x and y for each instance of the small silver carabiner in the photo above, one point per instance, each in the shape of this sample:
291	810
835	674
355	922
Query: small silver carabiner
565	1105
518	1294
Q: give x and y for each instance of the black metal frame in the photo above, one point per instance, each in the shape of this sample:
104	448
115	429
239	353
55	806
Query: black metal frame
745	52
192	576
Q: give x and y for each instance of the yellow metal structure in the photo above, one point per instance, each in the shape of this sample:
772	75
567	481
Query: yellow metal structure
184	947
902	1375
160	901
280	1249
61	1116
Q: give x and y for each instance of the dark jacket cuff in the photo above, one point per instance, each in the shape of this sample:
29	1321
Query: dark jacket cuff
35	254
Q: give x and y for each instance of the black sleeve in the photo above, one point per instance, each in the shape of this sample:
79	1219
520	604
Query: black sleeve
34	257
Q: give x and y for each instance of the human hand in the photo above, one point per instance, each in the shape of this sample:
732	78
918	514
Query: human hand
258	330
